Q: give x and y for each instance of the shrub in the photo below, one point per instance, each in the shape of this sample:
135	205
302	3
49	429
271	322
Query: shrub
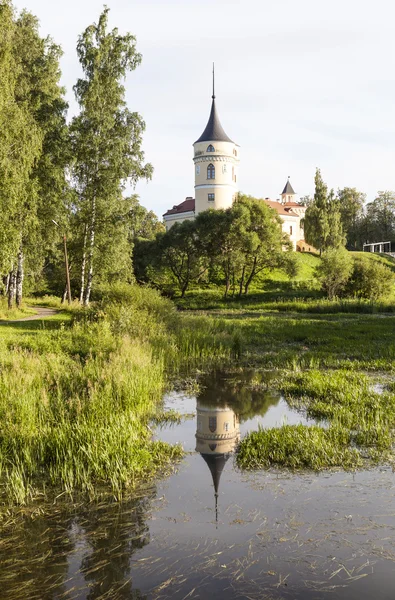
370	279
334	271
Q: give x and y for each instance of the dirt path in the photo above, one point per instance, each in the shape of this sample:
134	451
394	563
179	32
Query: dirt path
42	312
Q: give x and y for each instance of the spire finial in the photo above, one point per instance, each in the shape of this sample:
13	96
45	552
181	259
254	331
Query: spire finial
213	96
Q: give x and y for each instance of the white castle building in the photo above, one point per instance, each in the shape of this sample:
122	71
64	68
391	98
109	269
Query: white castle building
216	161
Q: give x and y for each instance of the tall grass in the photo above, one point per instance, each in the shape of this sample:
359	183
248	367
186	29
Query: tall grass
77	396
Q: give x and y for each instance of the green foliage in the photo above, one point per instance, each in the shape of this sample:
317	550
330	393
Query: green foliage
334	271
20	140
234	246
380	218
371	279
143	223
323	219
107	141
351	203
179	251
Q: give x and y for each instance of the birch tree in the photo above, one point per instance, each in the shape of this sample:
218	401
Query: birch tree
20	146
106	139
39	92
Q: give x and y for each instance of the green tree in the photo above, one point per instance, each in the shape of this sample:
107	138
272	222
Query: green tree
107	141
244	241
334	271
39	92
20	147
264	246
143	223
351	204
322	222
220	235
180	251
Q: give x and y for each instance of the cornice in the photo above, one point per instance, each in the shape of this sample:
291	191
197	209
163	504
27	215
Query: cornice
216	158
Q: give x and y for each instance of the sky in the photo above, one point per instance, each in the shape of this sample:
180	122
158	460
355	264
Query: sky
300	84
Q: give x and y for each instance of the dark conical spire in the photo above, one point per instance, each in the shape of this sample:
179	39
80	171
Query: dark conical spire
216	464
288	188
214	131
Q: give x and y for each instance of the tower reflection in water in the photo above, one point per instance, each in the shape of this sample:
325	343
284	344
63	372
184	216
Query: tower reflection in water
217	435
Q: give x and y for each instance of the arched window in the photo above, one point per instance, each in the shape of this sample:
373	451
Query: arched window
211	148
211	172
212	424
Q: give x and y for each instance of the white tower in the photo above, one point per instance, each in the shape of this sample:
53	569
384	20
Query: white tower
216	160
217	434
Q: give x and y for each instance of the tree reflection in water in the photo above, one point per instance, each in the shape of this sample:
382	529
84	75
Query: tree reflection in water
80	552
246	393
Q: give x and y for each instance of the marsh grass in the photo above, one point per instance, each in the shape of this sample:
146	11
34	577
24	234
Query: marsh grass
296	447
359	424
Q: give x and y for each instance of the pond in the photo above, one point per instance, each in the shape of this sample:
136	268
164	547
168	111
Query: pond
210	530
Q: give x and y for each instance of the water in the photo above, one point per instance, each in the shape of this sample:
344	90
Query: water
211	531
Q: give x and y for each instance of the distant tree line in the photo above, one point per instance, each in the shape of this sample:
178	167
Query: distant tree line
335	222
231	247
344	219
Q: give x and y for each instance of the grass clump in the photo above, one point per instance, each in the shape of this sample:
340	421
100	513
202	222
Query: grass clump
297	447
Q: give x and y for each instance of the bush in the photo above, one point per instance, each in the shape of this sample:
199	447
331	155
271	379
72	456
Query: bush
334	271
370	279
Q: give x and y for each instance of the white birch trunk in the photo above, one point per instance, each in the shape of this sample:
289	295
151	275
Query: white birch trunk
91	249
19	279
83	267
6	281
11	287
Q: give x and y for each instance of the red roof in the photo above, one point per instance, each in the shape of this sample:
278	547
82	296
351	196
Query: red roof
281	209
294	204
187	206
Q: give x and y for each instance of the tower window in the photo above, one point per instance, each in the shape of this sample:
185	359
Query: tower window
211	172
211	197
233	174
197	169
290	229
212	424
211	148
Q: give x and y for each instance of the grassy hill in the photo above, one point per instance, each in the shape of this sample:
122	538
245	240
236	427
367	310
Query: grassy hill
273	287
